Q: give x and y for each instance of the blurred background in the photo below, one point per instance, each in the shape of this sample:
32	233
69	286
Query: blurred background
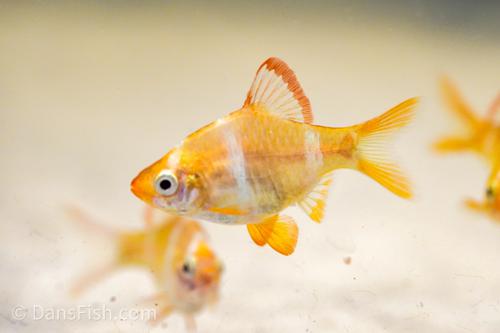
93	91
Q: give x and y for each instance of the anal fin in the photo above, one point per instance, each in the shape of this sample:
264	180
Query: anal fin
255	234
314	203
279	231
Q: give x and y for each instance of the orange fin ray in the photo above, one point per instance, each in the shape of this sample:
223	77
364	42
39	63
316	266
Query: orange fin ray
315	202
255	234
278	231
276	89
372	157
457	104
453	144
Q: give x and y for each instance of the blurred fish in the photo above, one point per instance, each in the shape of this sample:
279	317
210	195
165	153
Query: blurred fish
481	135
176	251
247	167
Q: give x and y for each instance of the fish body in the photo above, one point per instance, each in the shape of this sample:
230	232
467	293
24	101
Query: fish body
250	165
177	254
256	164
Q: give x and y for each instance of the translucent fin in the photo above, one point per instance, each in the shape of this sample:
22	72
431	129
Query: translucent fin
277	90
89	222
372	156
314	203
190	323
280	232
457	104
163	313
162	306
91	279
148	216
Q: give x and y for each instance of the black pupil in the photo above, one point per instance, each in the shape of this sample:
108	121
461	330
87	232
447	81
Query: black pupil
185	268
165	184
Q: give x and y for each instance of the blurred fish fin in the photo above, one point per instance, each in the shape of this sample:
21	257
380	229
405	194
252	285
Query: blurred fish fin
79	216
190	323
494	108
280	232
275	89
457	104
453	144
373	159
90	279
314	203
163	312
149	216
162	306
476	205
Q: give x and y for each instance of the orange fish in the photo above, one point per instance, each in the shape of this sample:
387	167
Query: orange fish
247	167
482	135
176	252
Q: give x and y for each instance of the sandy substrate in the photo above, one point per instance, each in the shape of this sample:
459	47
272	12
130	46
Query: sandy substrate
89	96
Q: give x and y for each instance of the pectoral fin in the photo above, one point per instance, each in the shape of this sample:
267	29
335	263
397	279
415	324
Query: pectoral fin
280	232
314	203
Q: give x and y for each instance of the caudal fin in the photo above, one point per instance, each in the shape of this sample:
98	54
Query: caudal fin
373	159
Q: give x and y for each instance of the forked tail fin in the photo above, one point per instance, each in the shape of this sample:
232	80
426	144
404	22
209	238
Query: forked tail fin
373	159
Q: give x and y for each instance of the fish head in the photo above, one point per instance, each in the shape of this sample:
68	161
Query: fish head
171	184
200	274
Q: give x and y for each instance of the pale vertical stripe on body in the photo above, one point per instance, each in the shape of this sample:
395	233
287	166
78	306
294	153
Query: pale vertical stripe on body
237	166
312	145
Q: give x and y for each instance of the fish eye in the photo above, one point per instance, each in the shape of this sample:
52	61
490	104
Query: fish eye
166	183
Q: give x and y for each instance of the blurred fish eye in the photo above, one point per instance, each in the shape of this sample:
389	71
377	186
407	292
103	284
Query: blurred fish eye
166	183
187	267
489	193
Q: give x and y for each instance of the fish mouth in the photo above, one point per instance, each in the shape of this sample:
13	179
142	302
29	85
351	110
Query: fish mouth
137	189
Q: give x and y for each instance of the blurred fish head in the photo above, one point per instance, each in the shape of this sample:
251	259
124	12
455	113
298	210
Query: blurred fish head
200	274
171	184
493	192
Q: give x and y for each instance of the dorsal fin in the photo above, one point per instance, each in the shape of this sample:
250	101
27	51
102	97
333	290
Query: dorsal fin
277	89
